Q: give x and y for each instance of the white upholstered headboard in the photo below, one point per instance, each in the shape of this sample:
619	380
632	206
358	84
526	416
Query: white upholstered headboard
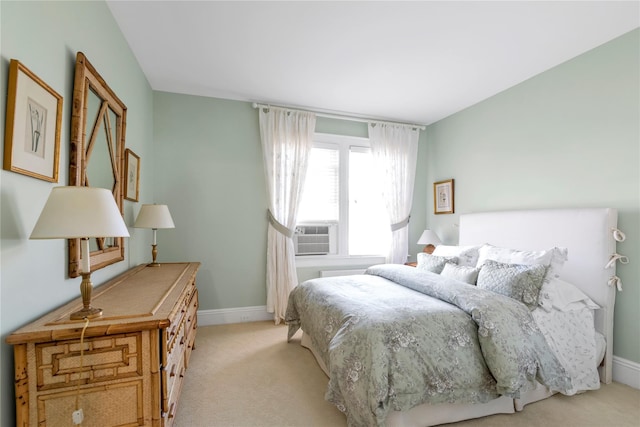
586	233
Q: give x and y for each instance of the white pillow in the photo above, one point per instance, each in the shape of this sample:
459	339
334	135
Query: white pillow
462	273
467	255
564	296
433	263
553	258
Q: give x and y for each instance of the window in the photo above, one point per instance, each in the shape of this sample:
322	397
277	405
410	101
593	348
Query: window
340	190
321	193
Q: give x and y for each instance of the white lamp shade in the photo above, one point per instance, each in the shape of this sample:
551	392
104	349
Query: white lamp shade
79	212
154	216
428	237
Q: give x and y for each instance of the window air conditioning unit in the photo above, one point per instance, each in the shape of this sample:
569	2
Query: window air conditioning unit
316	239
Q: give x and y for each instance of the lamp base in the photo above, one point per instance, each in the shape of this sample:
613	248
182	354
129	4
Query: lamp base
86	313
154	254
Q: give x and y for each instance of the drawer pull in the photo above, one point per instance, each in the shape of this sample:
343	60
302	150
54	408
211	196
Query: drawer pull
173	371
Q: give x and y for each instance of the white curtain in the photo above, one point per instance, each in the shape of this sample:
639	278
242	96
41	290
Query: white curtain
395	149
287	139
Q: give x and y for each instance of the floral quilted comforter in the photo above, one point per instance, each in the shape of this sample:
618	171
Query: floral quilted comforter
397	337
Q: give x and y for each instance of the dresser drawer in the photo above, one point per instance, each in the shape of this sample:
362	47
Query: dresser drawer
173	369
175	379
110	358
179	360
118	404
109	382
191	326
176	332
175	349
176	328
189	294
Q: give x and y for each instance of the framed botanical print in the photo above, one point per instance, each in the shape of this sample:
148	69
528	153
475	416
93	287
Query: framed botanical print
132	175
32	128
443	197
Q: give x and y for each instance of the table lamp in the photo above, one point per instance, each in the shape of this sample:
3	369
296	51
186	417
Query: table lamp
84	213
430	239
154	217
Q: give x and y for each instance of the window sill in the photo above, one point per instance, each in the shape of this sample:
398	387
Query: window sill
337	260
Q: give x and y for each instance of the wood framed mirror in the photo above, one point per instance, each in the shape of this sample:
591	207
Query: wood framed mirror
96	159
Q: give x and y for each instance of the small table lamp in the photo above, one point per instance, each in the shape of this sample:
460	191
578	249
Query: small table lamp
430	239
84	213
154	217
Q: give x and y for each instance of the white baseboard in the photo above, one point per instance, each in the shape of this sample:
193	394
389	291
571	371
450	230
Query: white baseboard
626	372
233	315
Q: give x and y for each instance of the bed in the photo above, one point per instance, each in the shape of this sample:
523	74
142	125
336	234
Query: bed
384	375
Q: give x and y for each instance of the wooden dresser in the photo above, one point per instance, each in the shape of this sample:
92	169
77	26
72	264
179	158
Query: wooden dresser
134	356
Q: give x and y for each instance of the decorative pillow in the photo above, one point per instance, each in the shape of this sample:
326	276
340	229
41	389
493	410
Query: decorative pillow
433	263
553	258
467	255
518	281
564	296
462	273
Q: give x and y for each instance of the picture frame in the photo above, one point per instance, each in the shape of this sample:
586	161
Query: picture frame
132	175
443	197
32	126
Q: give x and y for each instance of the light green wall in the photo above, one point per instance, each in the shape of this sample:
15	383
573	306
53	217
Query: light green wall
568	137
211	175
45	37
209	157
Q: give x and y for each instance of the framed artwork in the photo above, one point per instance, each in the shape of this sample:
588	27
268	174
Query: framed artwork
443	197
32	127
132	175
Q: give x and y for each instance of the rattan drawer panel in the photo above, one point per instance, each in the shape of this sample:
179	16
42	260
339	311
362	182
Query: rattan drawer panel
120	404
104	359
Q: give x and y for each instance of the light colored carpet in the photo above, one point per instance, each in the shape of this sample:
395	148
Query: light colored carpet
247	375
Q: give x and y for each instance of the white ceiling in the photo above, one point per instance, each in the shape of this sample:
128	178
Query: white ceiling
414	62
